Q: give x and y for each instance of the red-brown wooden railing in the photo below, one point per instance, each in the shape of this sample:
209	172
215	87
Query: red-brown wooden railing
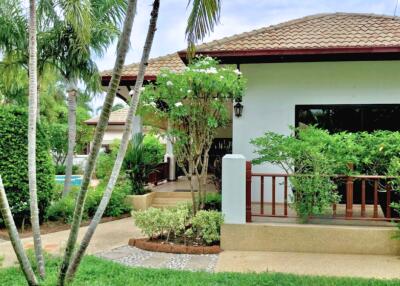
377	181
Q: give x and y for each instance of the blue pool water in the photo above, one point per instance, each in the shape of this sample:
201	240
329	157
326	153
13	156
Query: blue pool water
76	180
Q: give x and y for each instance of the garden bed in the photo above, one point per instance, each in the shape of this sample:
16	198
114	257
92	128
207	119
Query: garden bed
162	246
55	226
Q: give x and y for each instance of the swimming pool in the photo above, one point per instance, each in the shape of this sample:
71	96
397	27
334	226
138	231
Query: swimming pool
76	180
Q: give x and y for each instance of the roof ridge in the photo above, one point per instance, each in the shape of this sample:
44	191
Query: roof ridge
288	23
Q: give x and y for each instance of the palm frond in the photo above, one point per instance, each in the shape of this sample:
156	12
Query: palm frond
205	14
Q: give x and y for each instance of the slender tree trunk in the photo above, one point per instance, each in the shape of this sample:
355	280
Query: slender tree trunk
123	146
33	108
122	50
14	237
72	90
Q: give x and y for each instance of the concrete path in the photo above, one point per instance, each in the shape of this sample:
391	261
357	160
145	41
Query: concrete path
2	240
108	236
365	266
132	256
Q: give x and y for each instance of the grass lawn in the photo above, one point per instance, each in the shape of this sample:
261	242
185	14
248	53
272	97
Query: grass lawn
99	272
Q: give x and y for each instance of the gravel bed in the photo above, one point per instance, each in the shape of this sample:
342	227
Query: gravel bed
132	256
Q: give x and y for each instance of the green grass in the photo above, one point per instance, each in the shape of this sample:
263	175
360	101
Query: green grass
99	272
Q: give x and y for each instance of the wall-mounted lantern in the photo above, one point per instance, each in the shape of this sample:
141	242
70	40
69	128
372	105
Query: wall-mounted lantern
238	108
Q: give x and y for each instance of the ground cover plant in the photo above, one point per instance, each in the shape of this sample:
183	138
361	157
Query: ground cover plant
96	271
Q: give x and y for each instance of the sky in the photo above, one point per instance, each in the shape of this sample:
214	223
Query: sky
237	16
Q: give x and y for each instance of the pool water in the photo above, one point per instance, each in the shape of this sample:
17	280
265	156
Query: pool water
76	180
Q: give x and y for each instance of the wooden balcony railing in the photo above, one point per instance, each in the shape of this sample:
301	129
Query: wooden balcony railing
372	210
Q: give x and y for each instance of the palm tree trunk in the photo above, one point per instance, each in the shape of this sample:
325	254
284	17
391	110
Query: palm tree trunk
123	146
71	136
14	237
122	50
33	107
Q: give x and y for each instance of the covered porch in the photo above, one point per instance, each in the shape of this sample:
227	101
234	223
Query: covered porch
260	217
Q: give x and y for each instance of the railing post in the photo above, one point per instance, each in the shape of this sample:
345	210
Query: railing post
388	210
248	191
349	197
234	189
349	192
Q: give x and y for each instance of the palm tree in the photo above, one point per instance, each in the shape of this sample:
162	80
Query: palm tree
124	143
33	94
122	50
14	237
72	58
198	5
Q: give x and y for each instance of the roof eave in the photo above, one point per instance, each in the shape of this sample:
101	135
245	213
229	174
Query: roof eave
284	55
125	79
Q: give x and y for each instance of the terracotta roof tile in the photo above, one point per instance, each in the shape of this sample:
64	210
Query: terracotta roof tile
318	31
338	30
117	117
172	62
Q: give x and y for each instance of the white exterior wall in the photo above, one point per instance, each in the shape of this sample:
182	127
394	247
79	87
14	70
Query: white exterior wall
273	90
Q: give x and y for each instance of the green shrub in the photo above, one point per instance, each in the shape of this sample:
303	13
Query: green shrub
213	201
61	210
60	170
14	165
179	222
105	161
207	225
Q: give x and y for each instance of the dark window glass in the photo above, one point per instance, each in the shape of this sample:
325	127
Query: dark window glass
336	118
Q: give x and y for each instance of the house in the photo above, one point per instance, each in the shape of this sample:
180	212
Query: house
343	66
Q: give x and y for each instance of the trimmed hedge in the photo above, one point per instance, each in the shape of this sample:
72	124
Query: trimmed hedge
14	163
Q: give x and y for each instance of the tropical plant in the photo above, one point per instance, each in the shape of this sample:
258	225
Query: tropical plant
32	120
129	121
307	156
141	159
98	138
195	103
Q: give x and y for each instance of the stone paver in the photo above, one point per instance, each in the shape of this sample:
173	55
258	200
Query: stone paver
132	256
365	266
108	236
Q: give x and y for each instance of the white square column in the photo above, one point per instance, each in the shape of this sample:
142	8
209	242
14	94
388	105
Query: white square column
234	188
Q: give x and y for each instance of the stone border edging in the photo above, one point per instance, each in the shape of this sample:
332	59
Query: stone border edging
145	244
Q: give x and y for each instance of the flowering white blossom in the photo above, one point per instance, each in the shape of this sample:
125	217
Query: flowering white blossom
169	83
238	72
178	104
221	77
189	91
211	70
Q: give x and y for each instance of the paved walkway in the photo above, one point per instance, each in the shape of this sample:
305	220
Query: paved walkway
132	256
108	236
365	266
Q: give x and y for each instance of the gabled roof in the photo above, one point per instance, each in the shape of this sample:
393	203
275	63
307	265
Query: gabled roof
316	31
117	117
172	62
337	36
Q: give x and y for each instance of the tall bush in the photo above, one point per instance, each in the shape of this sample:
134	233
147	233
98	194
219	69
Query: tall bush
142	156
14	165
